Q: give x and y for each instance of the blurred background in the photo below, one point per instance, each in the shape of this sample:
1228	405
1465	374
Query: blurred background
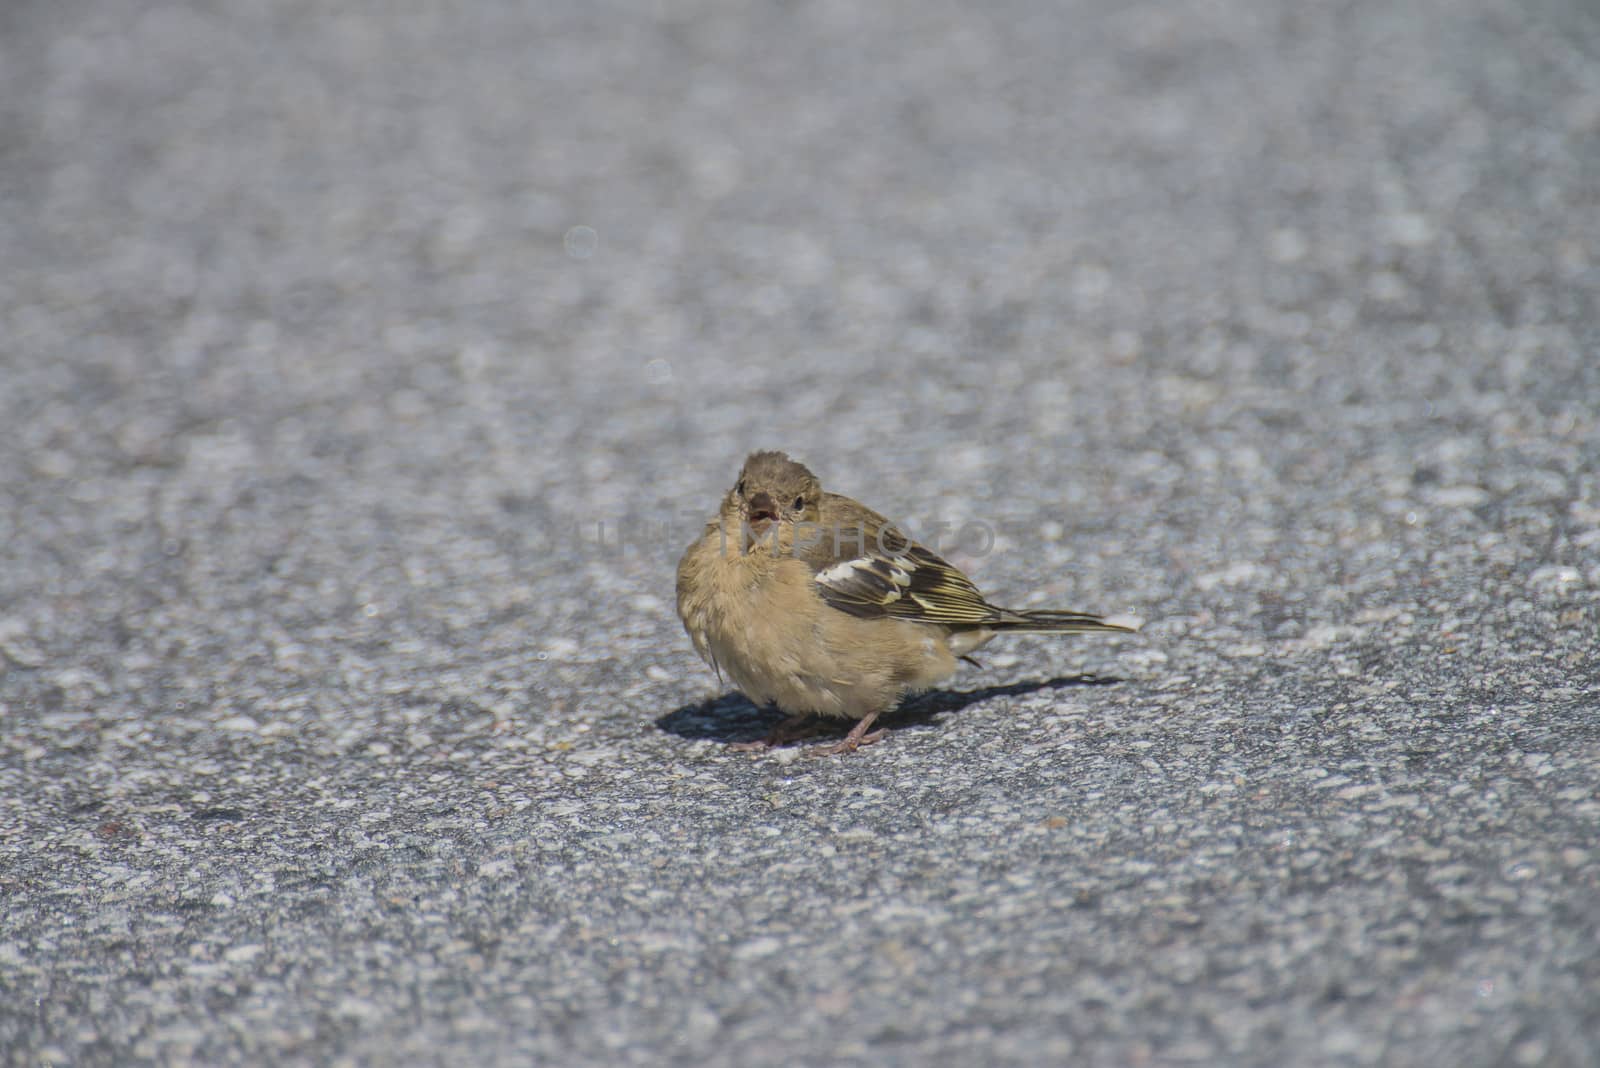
432	283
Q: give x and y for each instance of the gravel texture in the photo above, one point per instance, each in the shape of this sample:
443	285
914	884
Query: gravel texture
364	368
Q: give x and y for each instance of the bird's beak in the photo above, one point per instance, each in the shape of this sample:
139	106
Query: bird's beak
762	508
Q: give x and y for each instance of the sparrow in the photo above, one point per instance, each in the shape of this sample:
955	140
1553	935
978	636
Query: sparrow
815	603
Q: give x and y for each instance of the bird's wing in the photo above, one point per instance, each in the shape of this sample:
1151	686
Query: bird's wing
866	567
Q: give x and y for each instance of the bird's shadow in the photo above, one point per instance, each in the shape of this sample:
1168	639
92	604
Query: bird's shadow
733	718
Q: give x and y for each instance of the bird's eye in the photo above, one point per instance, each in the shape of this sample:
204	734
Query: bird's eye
739	489
799	504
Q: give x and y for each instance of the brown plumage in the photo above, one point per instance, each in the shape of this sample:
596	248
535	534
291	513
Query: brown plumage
815	603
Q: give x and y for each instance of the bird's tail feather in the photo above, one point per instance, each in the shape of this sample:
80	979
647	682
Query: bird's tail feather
1043	620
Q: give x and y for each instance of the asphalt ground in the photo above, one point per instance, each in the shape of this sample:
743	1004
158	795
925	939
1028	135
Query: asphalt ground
364	369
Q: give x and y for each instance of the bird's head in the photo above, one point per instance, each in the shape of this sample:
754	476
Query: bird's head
772	489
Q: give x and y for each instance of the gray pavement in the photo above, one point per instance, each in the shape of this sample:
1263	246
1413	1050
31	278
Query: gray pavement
334	728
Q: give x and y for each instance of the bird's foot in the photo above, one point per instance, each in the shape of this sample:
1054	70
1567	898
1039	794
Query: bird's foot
858	737
849	744
790	730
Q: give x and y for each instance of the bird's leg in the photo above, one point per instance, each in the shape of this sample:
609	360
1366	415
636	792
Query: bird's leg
857	738
800	725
